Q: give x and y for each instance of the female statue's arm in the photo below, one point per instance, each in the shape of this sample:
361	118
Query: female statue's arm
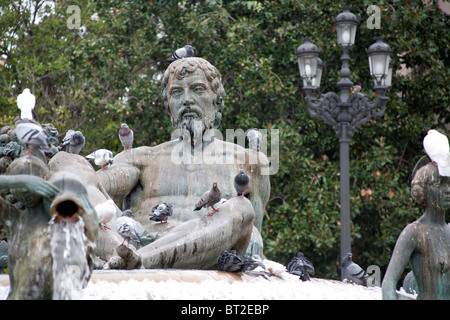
403	249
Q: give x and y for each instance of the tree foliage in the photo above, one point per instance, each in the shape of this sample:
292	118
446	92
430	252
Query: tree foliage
108	71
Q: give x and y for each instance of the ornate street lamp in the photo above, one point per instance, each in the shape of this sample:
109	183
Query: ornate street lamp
345	112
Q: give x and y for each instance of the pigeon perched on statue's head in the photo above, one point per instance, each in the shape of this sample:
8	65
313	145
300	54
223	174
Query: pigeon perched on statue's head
241	181
185	52
352	272
126	136
437	148
161	212
209	199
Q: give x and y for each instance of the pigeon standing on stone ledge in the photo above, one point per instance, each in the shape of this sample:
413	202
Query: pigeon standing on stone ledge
161	212
126	227
32	136
241	181
73	142
209	199
101	157
301	266
352	272
126	136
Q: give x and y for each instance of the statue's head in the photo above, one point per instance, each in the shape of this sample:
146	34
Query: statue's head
429	188
29	166
193	94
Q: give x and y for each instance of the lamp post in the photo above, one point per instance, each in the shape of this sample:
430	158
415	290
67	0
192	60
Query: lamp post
345	112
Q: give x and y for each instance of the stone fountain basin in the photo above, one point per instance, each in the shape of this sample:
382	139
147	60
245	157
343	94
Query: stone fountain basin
175	284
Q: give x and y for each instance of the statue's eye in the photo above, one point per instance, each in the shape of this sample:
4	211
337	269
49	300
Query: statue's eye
176	92
199	89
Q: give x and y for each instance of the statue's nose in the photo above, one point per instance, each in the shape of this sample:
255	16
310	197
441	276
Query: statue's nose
187	101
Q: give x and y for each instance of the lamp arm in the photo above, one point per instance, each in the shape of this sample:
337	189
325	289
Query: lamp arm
362	109
326	108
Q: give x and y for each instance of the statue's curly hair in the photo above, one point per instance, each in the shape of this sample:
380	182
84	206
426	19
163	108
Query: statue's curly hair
179	68
424	176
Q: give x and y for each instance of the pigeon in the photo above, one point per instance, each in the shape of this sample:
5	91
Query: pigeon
26	102
254	137
209	199
101	157
231	261
353	272
161	212
73	142
126	136
105	212
301	266
185	52
355	89
241	181
126	227
32	136
437	148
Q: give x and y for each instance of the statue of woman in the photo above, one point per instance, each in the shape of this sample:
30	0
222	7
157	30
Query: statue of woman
425	243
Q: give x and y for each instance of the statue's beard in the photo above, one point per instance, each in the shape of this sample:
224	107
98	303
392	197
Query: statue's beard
192	122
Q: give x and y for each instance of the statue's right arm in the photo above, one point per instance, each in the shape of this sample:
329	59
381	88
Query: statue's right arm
119	179
400	257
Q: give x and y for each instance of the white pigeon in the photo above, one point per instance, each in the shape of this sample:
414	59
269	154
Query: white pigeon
106	211
32	136
437	148
26	102
254	137
126	227
101	157
185	52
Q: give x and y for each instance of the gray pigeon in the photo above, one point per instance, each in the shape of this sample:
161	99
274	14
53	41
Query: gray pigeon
301	266
209	199
101	157
241	181
353	272
32	136
73	142
126	136
254	137
126	227
185	52
231	261
161	212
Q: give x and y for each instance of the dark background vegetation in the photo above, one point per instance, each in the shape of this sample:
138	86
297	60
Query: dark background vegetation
107	72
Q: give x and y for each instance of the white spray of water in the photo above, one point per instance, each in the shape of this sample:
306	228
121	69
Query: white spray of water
70	266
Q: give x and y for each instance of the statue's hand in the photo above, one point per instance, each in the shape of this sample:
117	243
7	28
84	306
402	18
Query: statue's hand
40	186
